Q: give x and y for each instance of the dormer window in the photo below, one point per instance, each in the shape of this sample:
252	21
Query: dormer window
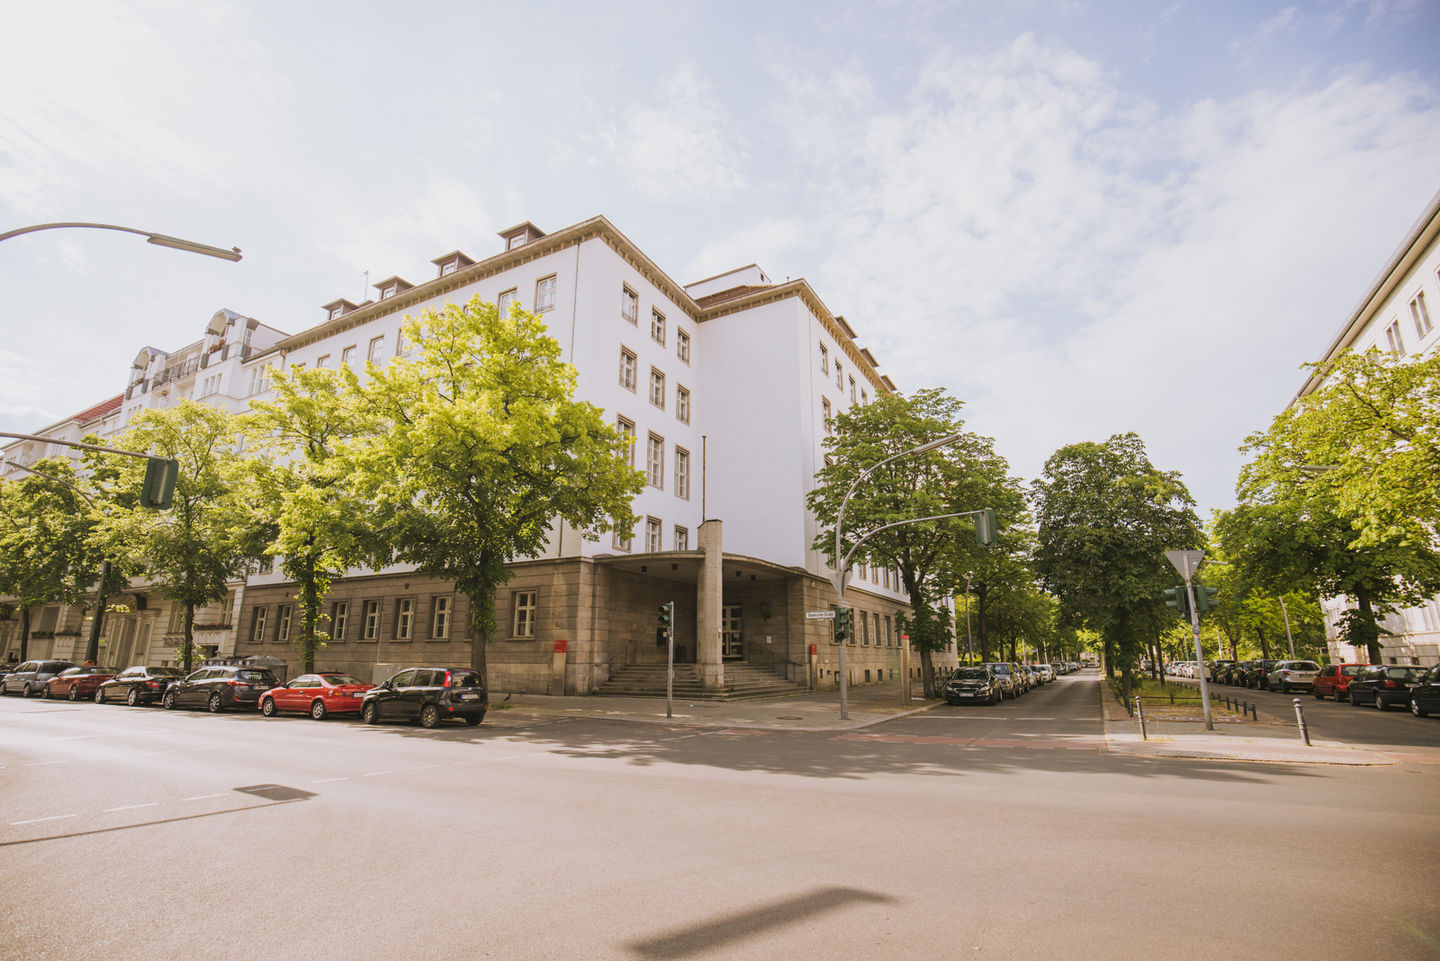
449	267
391	286
388	291
338	308
447	264
335	311
520	235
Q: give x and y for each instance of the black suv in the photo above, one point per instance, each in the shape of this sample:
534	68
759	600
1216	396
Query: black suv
29	678
428	695
219	688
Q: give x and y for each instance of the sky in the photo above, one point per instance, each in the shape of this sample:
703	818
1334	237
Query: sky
1080	218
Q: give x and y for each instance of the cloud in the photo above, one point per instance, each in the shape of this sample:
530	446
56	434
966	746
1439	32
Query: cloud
1250	46
683	148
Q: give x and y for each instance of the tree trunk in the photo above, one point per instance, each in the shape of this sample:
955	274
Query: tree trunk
477	649
1264	645
1108	652
1372	632
982	629
1126	684
24	634
189	657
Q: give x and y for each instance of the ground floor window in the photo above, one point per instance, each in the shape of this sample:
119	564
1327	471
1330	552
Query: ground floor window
523	623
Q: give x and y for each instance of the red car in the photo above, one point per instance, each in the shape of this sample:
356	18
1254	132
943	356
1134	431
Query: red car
318	695
1334	681
78	683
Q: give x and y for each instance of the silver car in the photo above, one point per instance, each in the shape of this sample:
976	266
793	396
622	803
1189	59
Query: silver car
1292	675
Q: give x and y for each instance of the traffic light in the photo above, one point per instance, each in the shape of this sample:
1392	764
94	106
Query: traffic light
667	615
1205	598
844	621
985	530
1178	600
158	491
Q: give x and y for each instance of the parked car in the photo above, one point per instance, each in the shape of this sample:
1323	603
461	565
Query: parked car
1384	685
1425	693
137	685
318	695
1257	672
428	695
1217	670
29	678
1047	672
78	683
1333	680
219	688
1299	675
1005	677
973	684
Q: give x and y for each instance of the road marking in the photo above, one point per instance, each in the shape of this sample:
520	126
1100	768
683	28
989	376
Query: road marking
202	797
131	807
46	763
155	753
423	767
327	780
377	773
57	817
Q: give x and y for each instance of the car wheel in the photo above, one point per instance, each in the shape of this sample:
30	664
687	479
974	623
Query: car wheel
1417	710
317	710
1354	701
474	719
29	691
73	694
429	716
215	705
99	695
168	701
267	707
1380	702
133	697
368	714
1318	695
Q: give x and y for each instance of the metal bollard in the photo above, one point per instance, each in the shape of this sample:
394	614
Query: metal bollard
1300	719
1254	713
1140	713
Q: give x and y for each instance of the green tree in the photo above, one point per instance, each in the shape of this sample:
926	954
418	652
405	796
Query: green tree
963	476
47	555
302	492
208	537
479	448
1106	517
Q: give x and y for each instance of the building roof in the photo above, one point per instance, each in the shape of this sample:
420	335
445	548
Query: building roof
102	409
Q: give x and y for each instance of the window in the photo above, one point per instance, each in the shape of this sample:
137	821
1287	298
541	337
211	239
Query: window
839	376
1393	339
449	267
505	302
682	538
347	356
825	413
322	362
682	404
1420	315
621	542
260	379
440	621
653	532
372	621
657	388
655	461
339	614
629	305
682	345
545	294
404	617
889	640
627	369
875	626
824	359
282	623
388	291
852	390
523	624
377	349
335	311
402	343
628	429
864	396
682	473
863	627
657	327
258	633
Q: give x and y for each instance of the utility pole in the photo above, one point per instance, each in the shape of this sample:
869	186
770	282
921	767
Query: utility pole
1186	562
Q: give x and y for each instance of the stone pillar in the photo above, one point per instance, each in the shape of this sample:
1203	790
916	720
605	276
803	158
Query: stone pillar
708	594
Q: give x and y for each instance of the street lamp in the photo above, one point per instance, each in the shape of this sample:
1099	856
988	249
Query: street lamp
842	561
162	240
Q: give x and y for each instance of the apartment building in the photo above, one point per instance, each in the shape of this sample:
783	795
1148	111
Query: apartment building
1395	315
726	387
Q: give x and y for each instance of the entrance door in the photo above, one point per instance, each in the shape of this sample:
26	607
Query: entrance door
732	641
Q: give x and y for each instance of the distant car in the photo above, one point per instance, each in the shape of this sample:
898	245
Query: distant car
29	678
428	695
318	695
1005	677
1258	671
1287	675
1384	685
1333	680
137	685
1425	693
1047	672
973	684
219	688
1217	670
78	683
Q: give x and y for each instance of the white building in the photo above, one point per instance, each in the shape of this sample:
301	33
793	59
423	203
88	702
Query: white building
726	386
1394	315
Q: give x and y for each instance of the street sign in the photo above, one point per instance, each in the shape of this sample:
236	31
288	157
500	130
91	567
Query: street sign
1185	562
820	615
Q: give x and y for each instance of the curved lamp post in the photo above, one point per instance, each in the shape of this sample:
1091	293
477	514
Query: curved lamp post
163	240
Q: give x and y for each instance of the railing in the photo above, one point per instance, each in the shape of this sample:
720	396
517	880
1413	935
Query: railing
176	372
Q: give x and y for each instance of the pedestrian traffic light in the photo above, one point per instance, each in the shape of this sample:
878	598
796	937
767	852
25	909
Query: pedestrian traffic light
667	615
158	491
1178	600
985	530
1205	597
843	624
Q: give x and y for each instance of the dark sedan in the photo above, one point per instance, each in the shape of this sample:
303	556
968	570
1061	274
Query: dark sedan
137	685
428	695
219	689
973	684
1425	693
1384	685
1006	676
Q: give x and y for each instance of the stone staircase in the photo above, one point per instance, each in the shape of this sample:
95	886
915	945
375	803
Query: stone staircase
742	680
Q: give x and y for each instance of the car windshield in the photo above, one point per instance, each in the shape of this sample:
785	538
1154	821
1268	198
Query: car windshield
465	679
1000	668
1304	666
339	679
1405	673
971	674
1350	670
260	676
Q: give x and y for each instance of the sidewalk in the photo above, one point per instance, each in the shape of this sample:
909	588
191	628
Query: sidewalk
1270	738
868	704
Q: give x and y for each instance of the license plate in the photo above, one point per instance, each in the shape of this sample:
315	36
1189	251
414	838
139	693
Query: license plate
469	697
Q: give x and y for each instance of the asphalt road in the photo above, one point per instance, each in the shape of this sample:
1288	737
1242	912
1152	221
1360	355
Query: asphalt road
977	832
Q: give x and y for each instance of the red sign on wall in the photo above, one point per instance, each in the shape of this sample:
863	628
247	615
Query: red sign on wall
560	647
